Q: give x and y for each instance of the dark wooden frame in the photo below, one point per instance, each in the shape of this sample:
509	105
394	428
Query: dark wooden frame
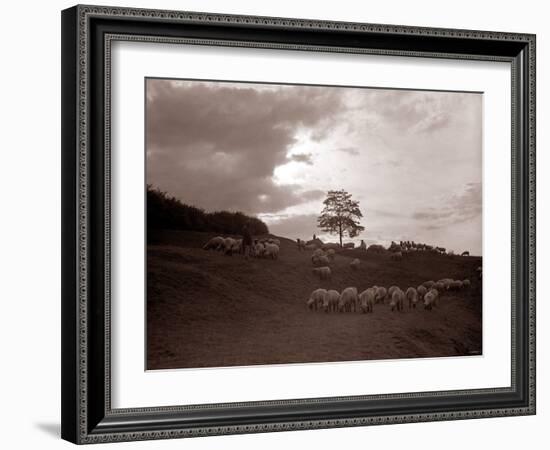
87	32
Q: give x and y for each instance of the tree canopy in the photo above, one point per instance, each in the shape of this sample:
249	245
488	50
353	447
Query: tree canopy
167	212
340	215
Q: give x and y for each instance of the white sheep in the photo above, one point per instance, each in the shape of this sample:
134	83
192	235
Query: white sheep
439	286
381	294
391	290
397	300
237	246
422	290
276	242
259	249
315	257
348	300
318	252
455	285
333	298
271	251
431	299
446	282
214	243
412	296
355	264
466	283
316	299
331	253
320	261
428	284
326	303
324	273
367	300
228	244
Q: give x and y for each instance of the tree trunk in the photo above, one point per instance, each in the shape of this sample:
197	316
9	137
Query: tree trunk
340	233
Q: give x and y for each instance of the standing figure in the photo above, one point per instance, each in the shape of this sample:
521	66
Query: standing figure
247	241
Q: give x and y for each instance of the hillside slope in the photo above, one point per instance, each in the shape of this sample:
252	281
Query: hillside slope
205	309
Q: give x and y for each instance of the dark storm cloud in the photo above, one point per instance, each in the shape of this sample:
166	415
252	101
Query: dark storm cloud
459	207
216	145
306	158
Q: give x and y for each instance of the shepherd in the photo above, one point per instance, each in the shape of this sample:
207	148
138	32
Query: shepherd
247	241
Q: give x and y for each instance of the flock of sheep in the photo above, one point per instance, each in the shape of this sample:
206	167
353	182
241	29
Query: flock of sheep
321	260
261	248
349	300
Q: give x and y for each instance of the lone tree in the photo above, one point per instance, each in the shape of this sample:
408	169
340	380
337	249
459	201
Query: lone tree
340	215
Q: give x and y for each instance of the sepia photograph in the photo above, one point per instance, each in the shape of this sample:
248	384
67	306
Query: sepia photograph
291	223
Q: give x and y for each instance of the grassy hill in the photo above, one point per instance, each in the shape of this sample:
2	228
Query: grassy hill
205	309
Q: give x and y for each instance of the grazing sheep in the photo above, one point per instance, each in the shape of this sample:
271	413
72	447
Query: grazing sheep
215	243
277	242
396	256
331	245
428	284
228	244
316	299
320	261
446	283
381	294
391	290
422	290
355	264
439	286
259	250
397	300
466	283
331	253
333	298
431	299
367	300
271	251
237	246
326	303
348	300
412	297
318	252
324	273
348	245
455	285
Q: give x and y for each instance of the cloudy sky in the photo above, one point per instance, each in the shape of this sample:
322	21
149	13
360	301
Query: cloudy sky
413	159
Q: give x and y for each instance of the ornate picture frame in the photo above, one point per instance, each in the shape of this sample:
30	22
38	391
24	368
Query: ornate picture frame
87	35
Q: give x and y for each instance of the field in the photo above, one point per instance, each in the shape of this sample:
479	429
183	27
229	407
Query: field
205	309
